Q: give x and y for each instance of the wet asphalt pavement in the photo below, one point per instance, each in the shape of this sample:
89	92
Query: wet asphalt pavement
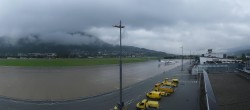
185	96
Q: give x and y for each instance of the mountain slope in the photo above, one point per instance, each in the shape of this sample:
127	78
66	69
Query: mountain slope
92	47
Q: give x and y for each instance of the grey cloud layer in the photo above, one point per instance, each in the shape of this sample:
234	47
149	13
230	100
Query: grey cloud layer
155	24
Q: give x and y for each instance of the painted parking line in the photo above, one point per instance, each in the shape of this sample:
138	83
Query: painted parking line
181	74
188	81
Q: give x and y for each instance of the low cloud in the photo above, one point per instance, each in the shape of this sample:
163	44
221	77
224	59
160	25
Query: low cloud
163	25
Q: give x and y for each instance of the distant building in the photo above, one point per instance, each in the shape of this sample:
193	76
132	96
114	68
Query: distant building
40	55
248	55
211	57
20	55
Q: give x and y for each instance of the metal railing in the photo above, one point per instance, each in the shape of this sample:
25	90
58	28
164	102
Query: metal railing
199	68
207	98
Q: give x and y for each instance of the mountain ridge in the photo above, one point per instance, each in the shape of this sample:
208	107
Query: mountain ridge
94	47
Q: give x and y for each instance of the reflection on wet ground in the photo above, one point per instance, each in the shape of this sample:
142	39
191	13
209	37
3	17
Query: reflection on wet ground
66	83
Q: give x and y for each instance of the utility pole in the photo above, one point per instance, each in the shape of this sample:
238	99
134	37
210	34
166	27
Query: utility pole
120	57
190	57
182	58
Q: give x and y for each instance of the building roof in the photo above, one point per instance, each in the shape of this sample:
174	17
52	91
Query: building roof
232	91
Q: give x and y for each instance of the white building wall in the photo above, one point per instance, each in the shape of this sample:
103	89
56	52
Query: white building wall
205	59
217	55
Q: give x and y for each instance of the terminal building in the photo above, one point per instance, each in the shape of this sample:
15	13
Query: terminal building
224	83
214	60
211	57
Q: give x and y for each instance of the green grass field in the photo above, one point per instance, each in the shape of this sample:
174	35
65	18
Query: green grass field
67	62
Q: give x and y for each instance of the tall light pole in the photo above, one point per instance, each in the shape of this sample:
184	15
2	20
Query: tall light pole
182	58
120	57
190	57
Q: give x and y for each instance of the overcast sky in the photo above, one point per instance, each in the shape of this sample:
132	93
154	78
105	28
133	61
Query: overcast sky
163	25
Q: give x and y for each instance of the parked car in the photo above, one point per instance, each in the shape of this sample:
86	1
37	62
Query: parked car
168	82
146	104
161	87
154	95
175	81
